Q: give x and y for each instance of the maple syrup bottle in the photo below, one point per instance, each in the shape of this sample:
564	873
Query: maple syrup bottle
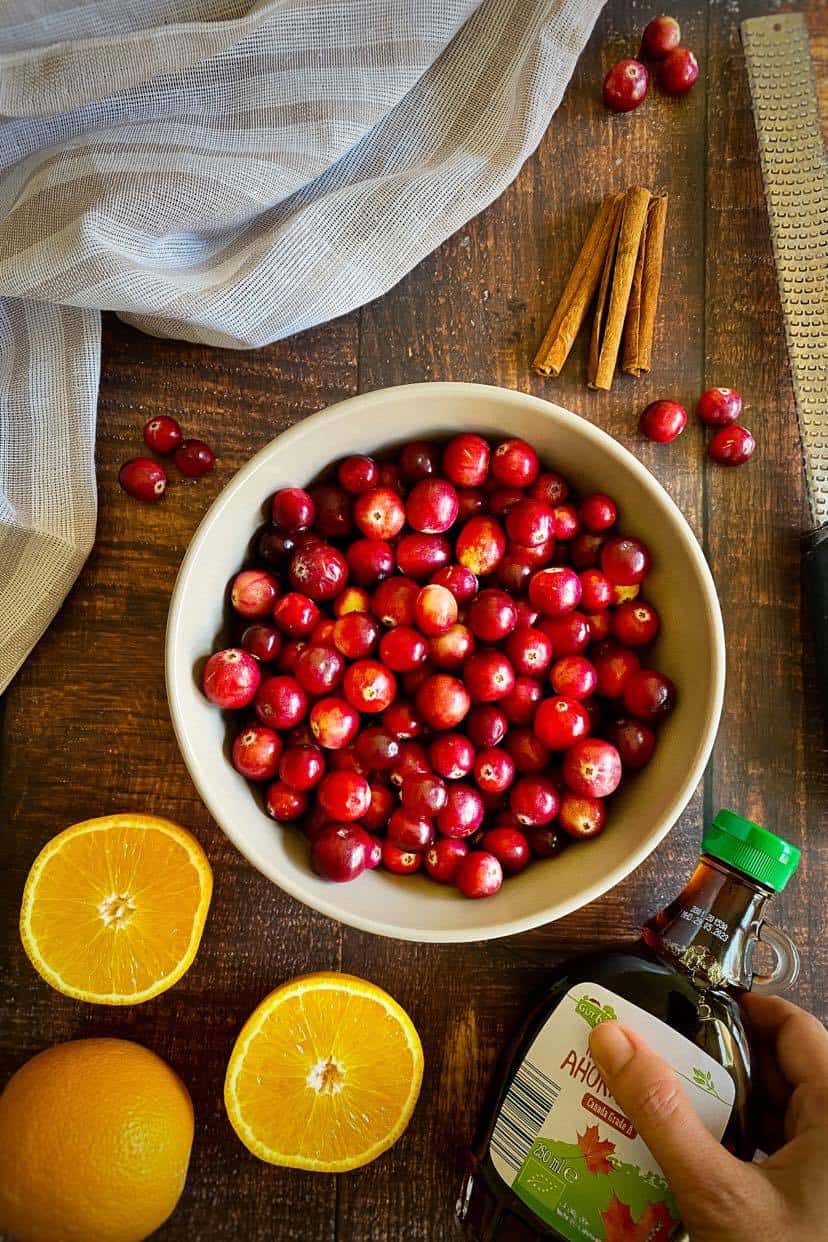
555	1157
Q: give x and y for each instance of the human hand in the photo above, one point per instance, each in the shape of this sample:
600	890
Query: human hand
721	1198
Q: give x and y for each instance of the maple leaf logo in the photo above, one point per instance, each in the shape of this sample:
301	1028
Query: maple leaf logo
595	1150
653	1225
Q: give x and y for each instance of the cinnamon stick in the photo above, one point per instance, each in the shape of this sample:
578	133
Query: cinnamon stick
631	339
651	279
633	223
578	293
601	301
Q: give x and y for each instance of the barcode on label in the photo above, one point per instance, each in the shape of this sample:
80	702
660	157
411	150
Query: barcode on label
528	1101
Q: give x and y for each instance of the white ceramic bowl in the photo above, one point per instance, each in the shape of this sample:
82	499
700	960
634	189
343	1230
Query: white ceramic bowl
690	650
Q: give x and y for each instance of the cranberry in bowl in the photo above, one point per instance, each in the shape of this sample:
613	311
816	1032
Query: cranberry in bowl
408	902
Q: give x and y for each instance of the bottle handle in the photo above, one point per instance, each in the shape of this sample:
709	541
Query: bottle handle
786	969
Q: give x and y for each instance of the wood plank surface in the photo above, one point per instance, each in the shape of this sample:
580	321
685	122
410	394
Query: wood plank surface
86	728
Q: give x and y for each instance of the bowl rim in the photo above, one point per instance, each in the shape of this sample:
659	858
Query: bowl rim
199	774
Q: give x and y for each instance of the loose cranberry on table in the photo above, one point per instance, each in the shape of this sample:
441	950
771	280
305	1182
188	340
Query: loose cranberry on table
143	479
452	755
302	767
626	85
292	509
479	874
678	71
466	460
256	753
592	768
649	695
194	458
718	407
661	35
663	421
731	446
443	858
358	474
231	678
162	434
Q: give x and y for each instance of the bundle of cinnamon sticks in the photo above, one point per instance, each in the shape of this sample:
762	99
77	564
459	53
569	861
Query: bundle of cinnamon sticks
619	267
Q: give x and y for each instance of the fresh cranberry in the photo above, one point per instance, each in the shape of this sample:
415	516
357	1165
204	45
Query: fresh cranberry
479	874
403	649
463	813
582	817
481	545
351	599
452	755
302	767
256	753
402	720
614	666
400	862
513	573
560	722
460	581
377	748
530	651
413	761
466	460
358	474
318	570
510	848
443	858
369	560
596	590
419	556
374	852
389	476
530	523
649	695
599	624
418	460
346	760
341	852
262	641
253	593
344	796
333	722
678	71
663	421
661	35
494	770
295	614
409	832
592	768
274	547
488	676
515	463
315	822
322	634
546	842
369	686
574	677
450	651
432	506
625	561
194	458
731	446
534	801
568	635
567	522
635	623
284	803
424	795
626	85
527	750
393	601
162	434
334	511
318	669
555	591
471	501
597	512
379	513
520	704
435	610
380	810
231	678
143	479
585	549
292	509
550	488
486	725
527	616
356	635
503	499
289	655
634	741
719	407
492	615
443	701
281	702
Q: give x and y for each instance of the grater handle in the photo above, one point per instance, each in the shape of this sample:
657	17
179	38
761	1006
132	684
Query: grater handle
815	578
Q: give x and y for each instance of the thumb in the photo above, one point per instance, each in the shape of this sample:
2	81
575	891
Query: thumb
651	1095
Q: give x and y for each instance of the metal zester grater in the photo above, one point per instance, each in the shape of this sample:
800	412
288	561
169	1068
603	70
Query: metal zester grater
796	188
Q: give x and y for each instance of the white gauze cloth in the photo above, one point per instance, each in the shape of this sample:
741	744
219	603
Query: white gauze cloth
227	172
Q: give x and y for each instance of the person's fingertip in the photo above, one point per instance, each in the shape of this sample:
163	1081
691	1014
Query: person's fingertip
611	1047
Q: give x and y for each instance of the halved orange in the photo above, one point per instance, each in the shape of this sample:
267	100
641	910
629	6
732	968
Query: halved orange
114	908
324	1074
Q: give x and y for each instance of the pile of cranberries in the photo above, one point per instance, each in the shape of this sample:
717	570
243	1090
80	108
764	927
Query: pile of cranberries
627	82
731	445
145	479
445	655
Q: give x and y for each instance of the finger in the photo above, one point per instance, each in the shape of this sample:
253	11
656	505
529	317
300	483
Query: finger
650	1093
798	1040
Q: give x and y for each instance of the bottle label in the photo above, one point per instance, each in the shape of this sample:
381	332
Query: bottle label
564	1146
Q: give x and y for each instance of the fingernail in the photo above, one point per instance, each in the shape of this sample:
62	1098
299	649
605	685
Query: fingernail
611	1047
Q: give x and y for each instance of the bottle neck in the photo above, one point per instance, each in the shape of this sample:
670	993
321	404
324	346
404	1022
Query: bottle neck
709	931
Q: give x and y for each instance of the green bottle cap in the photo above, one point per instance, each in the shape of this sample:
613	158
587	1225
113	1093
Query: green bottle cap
751	849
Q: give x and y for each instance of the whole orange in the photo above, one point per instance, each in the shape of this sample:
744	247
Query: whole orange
95	1139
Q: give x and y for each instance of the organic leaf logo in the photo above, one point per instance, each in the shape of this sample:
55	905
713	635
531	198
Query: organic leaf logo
653	1225
595	1150
592	1012
704	1079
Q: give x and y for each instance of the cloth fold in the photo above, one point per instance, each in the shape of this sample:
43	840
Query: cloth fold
231	173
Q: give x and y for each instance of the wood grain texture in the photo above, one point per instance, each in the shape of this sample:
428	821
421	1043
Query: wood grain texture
86	728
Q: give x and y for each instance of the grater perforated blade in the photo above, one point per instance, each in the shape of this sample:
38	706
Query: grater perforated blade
795	173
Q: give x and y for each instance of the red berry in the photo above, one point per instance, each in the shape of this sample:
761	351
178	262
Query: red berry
284	803
660	36
393	601
379	513
443	701
295	614
678	71
435	610
262	641
486	725
389	476
534	800
599	625
281	702
443	858
530	651
424	795
374	852
592	768
719	407
274	547
402	720
369	560
494	770
194	458
452	649
481	545
663	421
413	761
356	635
253	593
466	460
256	753
379	812
463	813
351	599
418	460
471	500
302	767
567	522
334	511
346	760
582	817
625	561
526	615
409	832
510	848
292	509
546	842
560	722
574	677
479	874
333	722
289	655
403	649
596	590
585	549
649	695
488	676
568	635
555	591
731	446
513	573
162	434
143	479
626	85
370	686
503	499
521	702
231	678
419	556
400	862
341	852
635	623
492	615
550	487
460	581
614	666
634	741
319	669
318	570
515	463
527	750
432	506
358	474
597	512
344	796
378	749
530	522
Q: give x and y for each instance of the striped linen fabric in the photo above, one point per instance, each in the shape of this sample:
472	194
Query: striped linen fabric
227	172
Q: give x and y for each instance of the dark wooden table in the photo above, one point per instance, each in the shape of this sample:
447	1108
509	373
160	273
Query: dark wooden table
86	726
